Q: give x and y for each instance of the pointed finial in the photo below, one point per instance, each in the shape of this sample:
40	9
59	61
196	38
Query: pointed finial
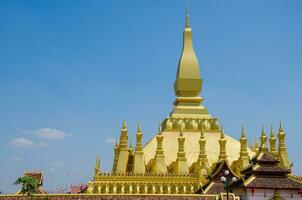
222	133
187	16
263	132
256	145
272	132
159	129
124	126
97	163
242	132
116	143
281	127
181	134
202	132
130	146
139	128
251	144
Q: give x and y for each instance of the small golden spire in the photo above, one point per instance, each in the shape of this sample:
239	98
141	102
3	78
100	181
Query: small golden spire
97	165
181	134
124	126
244	157
251	145
130	146
242	132
124	137
222	133
256	148
272	141
222	144
159	139
263	139
159	129
272	132
202	132
281	127
282	151
139	136
139	128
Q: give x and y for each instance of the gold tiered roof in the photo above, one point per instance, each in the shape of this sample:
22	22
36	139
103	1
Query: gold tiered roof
187	148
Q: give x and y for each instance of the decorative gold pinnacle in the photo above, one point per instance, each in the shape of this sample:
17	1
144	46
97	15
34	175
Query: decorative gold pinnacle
97	165
263	139
256	147
187	17
282	151
244	156
222	145
124	126
139	136
272	141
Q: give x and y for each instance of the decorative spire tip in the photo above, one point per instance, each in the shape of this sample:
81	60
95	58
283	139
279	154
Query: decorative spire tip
187	16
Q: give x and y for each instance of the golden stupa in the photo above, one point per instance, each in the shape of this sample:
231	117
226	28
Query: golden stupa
179	158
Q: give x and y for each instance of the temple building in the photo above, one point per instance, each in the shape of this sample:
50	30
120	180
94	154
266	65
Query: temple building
190	148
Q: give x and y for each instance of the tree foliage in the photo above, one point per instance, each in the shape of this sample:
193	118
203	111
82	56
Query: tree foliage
29	185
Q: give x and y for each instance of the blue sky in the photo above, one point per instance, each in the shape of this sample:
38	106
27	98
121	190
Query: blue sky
71	71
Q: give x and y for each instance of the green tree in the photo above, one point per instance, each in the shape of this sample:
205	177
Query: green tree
29	185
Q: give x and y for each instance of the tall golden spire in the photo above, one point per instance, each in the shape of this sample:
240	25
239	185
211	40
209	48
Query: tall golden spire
272	141
188	83
222	145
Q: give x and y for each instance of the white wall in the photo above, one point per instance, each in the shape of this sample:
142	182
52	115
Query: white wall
260	194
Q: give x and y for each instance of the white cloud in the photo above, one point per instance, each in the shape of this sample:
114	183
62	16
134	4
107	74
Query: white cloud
22	142
110	140
17	159
49	133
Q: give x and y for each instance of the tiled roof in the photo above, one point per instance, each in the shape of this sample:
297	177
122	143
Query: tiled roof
271	169
267	158
274	183
219	171
265	172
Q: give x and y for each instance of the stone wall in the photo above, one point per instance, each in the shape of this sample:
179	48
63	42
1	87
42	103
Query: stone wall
108	197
